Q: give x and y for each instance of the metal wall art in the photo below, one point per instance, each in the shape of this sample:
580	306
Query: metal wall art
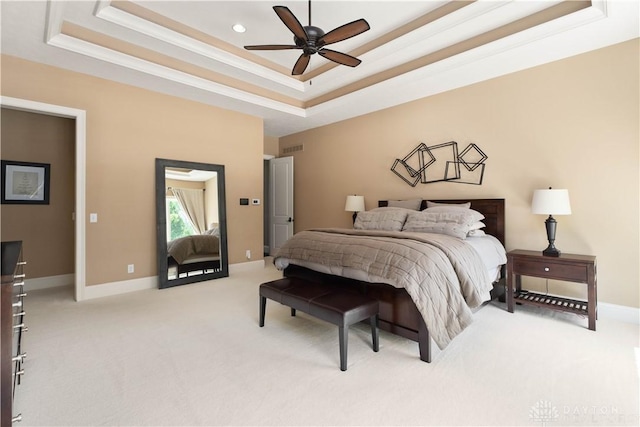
442	162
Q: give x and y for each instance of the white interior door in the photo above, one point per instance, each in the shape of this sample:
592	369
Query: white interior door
281	202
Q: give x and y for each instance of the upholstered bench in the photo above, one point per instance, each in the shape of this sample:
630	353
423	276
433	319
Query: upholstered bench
332	304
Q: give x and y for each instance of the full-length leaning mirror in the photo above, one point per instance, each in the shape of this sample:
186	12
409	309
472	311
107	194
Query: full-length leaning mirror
191	222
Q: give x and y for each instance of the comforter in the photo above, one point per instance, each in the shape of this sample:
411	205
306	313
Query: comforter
444	276
198	245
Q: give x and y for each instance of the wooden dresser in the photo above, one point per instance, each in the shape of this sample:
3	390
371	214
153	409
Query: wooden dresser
12	313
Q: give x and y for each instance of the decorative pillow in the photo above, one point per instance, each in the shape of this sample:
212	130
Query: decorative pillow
476	233
389	220
477	216
212	231
456	224
466	205
387	209
407	204
477	226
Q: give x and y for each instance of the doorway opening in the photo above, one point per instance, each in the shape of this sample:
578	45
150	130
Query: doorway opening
80	177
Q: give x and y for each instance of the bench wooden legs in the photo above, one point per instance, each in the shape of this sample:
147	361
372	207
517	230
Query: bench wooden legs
343	335
263	306
343	332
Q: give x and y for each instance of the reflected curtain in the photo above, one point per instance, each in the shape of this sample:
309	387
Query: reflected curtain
192	202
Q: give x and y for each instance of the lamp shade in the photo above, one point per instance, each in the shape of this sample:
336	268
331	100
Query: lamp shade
354	204
551	202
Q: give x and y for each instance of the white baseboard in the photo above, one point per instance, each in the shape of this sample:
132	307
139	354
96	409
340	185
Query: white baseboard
49	282
123	287
621	313
246	266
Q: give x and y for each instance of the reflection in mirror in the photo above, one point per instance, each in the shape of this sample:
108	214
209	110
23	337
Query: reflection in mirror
191	222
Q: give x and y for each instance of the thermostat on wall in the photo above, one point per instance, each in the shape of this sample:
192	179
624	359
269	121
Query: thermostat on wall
244	202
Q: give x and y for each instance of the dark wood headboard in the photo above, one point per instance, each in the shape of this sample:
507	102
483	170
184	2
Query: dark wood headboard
492	209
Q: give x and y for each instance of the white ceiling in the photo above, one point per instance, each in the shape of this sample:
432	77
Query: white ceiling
414	48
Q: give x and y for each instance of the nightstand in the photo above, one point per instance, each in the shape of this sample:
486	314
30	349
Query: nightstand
566	267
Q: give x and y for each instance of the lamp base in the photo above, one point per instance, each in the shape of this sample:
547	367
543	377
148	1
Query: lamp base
550	225
551	251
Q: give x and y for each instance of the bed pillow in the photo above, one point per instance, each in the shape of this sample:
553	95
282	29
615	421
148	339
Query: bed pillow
476	233
413	204
466	205
477	225
477	216
387	209
389	220
456	224
215	231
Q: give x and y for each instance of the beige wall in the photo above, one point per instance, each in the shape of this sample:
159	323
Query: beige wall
127	128
570	124
271	144
46	231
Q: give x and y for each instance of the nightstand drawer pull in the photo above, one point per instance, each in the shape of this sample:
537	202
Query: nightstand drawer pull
546	269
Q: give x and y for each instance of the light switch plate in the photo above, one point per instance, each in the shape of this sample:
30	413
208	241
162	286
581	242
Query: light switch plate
93	217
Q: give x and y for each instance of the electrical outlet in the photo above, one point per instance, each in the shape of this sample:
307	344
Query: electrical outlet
248	254
130	268
255	201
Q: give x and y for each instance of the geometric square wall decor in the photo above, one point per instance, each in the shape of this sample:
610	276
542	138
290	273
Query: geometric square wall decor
441	162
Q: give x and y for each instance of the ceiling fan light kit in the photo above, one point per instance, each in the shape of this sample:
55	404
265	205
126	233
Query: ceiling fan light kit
312	40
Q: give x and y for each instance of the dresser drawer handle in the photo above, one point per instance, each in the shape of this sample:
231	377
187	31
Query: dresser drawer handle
19	358
546	269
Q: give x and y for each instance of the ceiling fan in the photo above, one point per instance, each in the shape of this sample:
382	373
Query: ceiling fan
313	40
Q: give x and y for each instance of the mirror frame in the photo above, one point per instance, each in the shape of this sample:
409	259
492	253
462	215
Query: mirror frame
161	223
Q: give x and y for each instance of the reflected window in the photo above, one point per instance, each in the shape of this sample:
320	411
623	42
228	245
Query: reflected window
178	224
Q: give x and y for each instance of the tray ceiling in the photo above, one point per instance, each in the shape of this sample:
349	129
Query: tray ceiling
414	48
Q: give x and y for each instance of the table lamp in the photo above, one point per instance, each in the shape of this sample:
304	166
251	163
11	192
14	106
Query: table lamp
354	204
551	202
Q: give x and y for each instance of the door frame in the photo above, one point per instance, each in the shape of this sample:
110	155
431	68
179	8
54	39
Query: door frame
80	117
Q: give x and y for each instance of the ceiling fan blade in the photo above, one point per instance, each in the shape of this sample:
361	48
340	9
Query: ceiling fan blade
291	22
340	58
301	64
272	47
344	32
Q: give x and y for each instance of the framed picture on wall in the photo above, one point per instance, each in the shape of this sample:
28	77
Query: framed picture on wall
25	183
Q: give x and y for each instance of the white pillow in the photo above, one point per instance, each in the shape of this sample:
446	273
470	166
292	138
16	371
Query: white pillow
456	224
389	220
406	204
476	233
477	225
466	205
387	209
477	216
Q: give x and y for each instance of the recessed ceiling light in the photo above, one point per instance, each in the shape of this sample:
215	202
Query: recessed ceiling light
239	28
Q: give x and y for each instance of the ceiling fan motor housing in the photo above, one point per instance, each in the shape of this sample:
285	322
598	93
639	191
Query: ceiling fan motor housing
313	34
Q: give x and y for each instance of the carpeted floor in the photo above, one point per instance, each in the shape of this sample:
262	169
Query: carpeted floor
194	355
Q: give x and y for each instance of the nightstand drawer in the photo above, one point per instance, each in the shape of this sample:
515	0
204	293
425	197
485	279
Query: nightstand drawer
551	270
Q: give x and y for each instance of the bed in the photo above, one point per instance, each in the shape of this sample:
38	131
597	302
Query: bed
195	254
403	310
